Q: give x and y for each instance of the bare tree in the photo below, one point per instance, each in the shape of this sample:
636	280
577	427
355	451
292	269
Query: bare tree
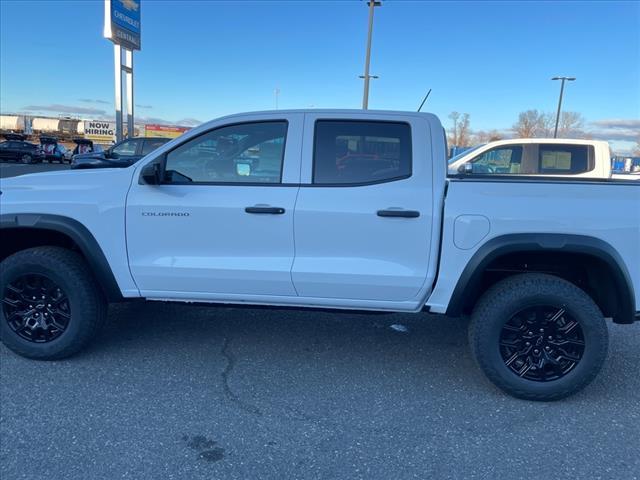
533	123
459	133
570	124
484	136
530	124
546	125
636	150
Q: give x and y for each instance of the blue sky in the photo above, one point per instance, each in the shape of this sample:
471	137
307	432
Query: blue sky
203	59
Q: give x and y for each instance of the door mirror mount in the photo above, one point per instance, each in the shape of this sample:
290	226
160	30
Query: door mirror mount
465	168
152	173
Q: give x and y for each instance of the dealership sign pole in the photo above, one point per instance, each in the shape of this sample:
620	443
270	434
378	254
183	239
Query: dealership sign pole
122	27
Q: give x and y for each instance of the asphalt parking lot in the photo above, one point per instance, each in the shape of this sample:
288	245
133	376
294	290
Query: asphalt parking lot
173	391
177	391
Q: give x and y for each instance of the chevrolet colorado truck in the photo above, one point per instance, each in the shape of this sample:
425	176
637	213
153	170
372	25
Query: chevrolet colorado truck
329	209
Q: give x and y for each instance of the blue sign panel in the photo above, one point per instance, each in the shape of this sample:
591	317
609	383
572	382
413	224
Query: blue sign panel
125	23
126	13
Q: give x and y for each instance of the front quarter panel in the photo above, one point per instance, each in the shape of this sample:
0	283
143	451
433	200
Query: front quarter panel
95	198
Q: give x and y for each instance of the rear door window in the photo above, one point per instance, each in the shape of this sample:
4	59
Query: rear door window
565	159
360	152
151	144
127	148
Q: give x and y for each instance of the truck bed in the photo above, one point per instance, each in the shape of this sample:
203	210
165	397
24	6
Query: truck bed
479	210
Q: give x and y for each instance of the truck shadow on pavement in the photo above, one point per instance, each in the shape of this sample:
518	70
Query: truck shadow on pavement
264	356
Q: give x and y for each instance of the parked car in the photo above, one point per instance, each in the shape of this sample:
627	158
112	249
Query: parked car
539	263
553	157
20	151
52	150
120	155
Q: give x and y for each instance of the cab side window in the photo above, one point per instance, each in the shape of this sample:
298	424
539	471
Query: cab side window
127	148
499	160
150	144
243	153
565	159
361	152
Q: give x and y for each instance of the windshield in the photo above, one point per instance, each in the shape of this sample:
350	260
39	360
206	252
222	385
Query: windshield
466	152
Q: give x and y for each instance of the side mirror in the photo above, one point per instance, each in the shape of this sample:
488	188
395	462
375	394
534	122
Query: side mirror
465	168
152	174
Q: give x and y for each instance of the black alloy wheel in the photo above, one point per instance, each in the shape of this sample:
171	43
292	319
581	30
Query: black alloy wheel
35	308
538	337
542	343
52	305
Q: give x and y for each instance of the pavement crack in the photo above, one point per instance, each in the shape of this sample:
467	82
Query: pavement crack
226	373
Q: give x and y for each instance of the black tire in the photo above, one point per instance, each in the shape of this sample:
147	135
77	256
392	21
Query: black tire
26	159
503	302
68	271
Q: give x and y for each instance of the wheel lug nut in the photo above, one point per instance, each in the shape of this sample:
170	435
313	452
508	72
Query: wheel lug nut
542	330
536	351
546	348
528	344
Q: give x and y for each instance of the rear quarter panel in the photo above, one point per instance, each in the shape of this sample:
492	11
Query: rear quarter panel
608	211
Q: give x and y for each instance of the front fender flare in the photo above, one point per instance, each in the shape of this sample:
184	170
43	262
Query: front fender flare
80	235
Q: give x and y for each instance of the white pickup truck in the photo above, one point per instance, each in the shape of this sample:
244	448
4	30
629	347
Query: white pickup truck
536	156
329	209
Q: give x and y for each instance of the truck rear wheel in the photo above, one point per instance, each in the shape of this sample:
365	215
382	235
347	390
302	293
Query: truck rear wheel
538	337
51	304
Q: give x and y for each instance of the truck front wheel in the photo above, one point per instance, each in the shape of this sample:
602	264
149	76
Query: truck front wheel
51	304
538	337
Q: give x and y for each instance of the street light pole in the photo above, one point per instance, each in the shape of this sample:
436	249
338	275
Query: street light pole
568	79
365	98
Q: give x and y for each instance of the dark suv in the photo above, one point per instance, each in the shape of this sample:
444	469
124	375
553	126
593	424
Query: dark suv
121	154
20	151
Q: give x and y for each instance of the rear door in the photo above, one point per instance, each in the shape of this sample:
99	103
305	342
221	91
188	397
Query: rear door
15	150
4	150
364	213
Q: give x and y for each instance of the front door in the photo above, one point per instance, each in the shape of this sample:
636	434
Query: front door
221	224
